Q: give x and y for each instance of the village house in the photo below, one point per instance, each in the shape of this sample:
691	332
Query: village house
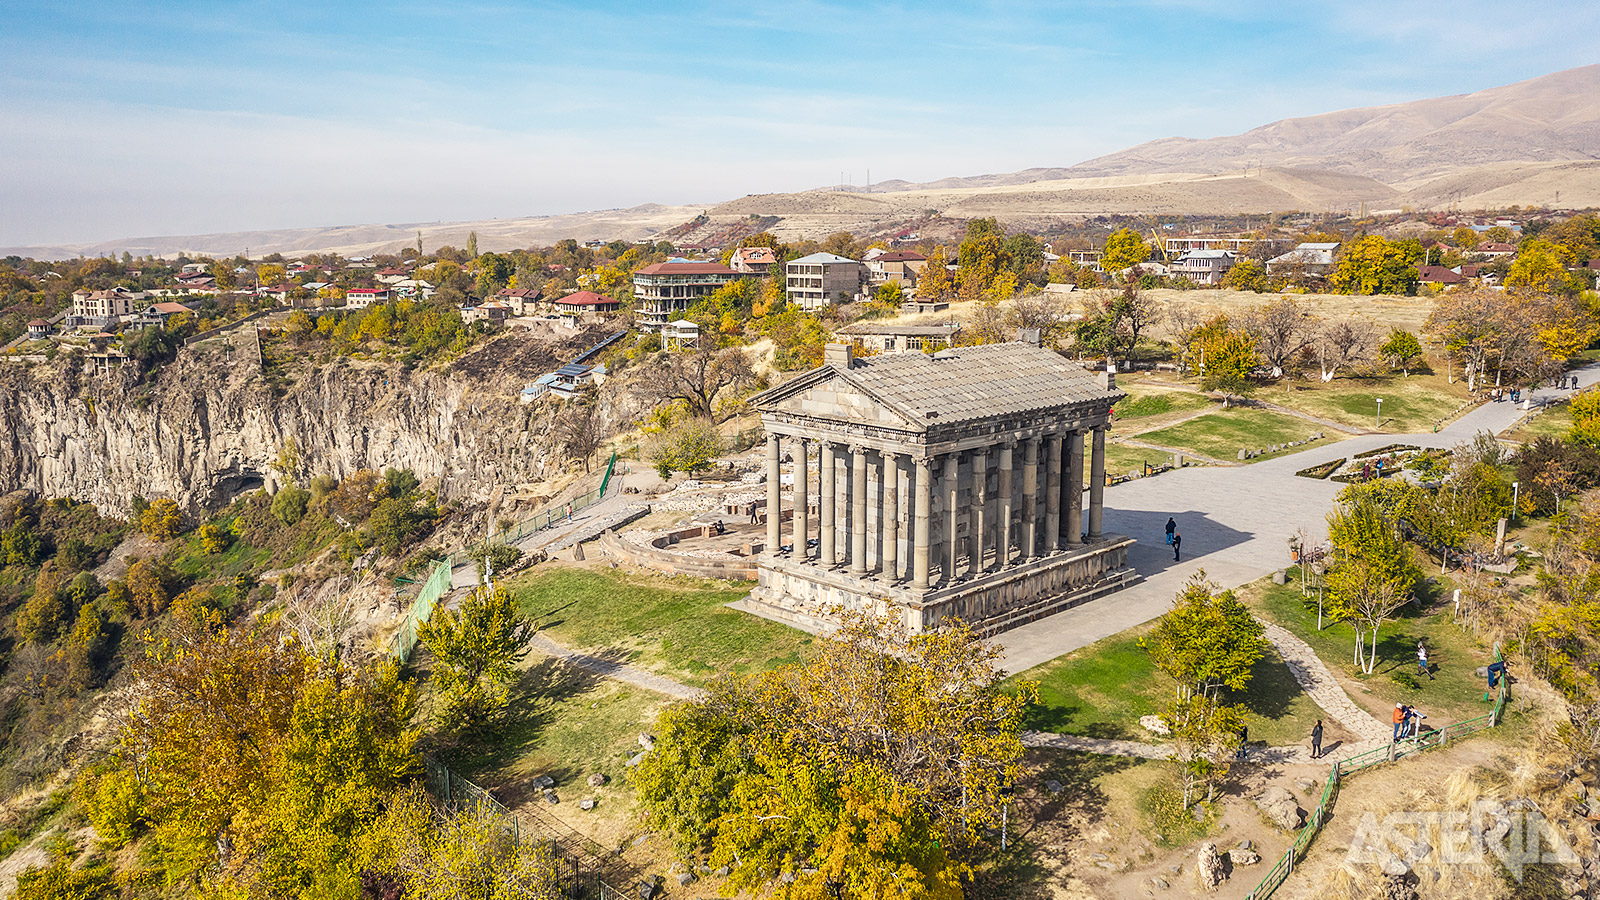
899	266
279	292
570	379
1204	266
393	275
521	301
585	306
38	330
103	306
869	338
361	298
1439	276
664	288
414	287
1313	260
1495	250
681	334
159	313
753	260
818	280
493	313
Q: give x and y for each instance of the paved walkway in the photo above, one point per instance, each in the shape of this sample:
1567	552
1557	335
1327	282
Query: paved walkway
1235	521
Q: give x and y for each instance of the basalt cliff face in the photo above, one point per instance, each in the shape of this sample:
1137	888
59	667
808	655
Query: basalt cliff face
206	428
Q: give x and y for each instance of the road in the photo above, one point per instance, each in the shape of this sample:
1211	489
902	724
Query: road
1236	523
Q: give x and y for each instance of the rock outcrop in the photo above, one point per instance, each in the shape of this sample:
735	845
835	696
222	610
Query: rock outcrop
206	428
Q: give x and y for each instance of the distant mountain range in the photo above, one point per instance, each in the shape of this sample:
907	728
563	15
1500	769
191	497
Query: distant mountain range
1536	142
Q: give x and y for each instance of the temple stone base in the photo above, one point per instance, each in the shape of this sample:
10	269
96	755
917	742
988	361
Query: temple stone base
812	595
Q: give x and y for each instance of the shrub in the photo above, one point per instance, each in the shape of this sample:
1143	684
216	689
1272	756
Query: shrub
162	520
114	801
212	538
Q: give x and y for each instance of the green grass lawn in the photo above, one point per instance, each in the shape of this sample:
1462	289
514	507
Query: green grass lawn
1223	433
1411	404
1453	654
1142	402
1122	459
1101	691
1555	422
679	627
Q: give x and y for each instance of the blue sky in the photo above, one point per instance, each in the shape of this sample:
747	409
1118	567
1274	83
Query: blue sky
121	119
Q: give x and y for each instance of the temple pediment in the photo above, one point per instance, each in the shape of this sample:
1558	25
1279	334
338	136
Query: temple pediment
830	396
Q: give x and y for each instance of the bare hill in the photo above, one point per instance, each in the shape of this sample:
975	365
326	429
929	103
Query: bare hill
493	234
1551	118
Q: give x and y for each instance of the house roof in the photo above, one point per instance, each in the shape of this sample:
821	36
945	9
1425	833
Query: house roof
902	256
961	384
1496	247
585	298
572	370
38	323
367	291
524	293
1439	275
756	254
685	267
170	309
821	259
393	271
902	330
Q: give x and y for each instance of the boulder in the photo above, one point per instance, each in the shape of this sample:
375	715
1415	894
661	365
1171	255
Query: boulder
635	759
1208	866
647	741
685	879
722	872
1394	867
1240	856
1280	807
1053	786
551	798
1154	725
1305	784
586	804
597	780
544	783
1159	883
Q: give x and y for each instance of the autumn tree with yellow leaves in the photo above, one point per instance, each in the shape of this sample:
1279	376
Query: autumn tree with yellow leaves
881	763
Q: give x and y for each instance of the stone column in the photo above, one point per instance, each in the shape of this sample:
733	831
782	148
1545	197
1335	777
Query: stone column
1002	556
890	516
774	496
980	509
802	500
923	470
827	512
1052	493
952	488
1097	483
1073	491
858	510
1029	538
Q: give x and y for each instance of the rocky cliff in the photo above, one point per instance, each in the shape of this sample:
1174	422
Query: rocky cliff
208	427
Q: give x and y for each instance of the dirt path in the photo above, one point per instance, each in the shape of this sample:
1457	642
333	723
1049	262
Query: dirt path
618	671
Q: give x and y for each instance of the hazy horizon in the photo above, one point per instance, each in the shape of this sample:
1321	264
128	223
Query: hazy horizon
198	118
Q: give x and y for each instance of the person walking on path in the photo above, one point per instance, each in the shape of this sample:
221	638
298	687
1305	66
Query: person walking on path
1172	528
1316	740
1422	661
1399	719
1177	541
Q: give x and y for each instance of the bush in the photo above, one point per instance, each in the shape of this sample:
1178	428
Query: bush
212	538
43	616
114	801
162	520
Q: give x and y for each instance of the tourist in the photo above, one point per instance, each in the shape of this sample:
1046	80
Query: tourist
1316	740
1172	526
1399	719
1244	741
1422	661
1177	541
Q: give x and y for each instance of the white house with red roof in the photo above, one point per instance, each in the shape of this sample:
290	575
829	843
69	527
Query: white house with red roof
361	298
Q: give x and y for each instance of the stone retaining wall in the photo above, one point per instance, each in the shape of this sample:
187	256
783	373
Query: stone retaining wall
666	561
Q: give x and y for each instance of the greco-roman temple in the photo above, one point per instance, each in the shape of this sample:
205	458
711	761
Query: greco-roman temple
950	485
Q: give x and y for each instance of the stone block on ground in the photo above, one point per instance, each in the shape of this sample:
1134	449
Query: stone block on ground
685	879
586	804
597	780
544	782
1154	725
1243	857
635	759
1208	866
1280	807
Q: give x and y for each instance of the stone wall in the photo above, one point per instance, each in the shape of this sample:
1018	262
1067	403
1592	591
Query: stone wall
667	562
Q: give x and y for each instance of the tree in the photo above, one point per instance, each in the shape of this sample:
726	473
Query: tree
162	520
981	258
421	852
148	590
1124	248
1374	265
1401	349
935	281
880	761
1464	237
1205	738
1539	268
397	521
1282	328
578	428
289	504
689	446
1247	275
46	613
1229	358
1340	344
475	650
494	558
1586	420
1207	641
702	379
212	538
270	273
1372	572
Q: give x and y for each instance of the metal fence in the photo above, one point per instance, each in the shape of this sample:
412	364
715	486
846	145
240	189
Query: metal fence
435	587
544	518
1344	768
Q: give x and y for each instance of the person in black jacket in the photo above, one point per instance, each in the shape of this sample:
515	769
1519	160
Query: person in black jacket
1316	740
1177	541
1172	527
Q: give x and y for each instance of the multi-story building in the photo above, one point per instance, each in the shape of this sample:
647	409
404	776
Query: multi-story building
896	265
818	280
104	305
673	286
753	260
1204	266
